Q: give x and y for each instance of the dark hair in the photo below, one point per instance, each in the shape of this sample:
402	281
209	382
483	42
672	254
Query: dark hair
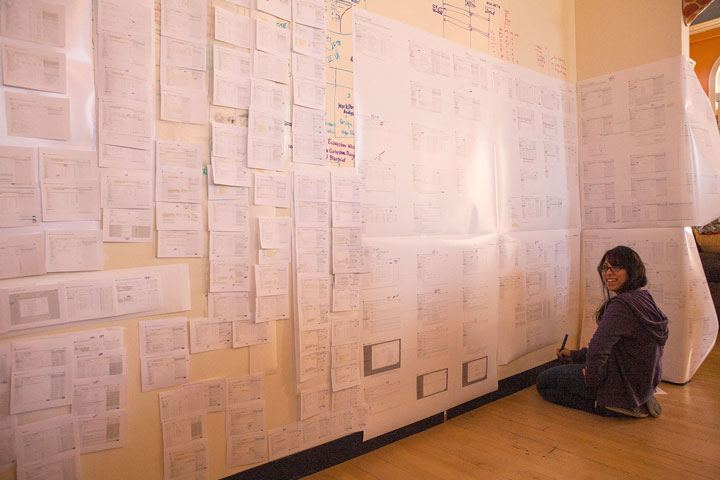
630	261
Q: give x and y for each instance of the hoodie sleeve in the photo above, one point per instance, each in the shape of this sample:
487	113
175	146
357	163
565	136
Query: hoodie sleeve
578	356
616	322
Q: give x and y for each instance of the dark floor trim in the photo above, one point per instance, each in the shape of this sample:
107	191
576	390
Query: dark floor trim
332	453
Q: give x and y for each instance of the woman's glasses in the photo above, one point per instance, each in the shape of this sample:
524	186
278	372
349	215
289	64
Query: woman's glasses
612	268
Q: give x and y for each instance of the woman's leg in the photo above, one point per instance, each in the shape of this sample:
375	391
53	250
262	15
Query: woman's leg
565	385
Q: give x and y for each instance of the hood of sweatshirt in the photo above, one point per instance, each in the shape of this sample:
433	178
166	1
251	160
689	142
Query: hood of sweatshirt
647	311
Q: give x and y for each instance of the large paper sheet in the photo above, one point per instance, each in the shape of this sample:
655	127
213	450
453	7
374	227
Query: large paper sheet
455	113
676	281
649	147
539	288
429	334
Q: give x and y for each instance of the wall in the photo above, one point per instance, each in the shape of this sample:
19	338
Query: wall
705	50
617	34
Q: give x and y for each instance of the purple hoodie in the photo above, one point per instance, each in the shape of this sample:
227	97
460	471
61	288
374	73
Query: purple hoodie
623	358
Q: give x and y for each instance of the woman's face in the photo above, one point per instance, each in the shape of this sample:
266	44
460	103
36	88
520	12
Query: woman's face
613	276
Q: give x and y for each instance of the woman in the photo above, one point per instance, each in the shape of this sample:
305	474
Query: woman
617	373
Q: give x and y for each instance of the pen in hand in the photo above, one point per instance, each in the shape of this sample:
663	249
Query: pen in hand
564	342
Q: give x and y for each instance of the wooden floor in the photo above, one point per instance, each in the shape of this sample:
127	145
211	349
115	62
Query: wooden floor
524	437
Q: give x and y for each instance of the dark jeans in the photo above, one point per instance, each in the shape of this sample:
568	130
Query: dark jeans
565	385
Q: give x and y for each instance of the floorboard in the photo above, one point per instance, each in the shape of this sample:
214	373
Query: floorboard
522	436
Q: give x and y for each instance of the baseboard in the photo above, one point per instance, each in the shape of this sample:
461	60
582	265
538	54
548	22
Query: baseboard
337	451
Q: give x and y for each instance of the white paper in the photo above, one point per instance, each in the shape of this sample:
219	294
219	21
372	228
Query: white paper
37	116
245	418
182	431
73	250
269	97
179	154
126	188
183	53
184	20
271	280
90	299
102	432
114	156
272	307
210	334
190	460
229	305
34	21
275	232
231	61
97	396
309	12
102	364
192	82
231	274
309	41
228	215
247	449
284	441
308	136
272	190
182	402
229	244
272	38
244	389
178	184
182	105
269	66
231	90
226	192
164	370
34	68
233	28
179	216
70	201
138	292
247	332
63	467
127	225
97	341
346	292
181	243
279	8
309	93
17	167
44	439
125	123
21	206
29	307
69	184
214	393
22	255
267	256
266	141
167	335
229	141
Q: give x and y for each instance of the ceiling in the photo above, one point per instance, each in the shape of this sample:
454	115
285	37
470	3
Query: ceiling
710	13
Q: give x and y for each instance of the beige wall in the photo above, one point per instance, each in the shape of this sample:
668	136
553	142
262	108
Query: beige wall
618	34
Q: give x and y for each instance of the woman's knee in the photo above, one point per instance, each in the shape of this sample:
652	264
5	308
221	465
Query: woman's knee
544	382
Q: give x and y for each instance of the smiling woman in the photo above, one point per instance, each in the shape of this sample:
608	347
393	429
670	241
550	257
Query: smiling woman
617	373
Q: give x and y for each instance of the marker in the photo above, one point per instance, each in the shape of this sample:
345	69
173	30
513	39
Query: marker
564	342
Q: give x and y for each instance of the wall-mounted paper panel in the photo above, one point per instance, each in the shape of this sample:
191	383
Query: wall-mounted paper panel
428	326
677	283
650	149
539	290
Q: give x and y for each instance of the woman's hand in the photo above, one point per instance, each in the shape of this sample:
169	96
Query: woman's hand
564	355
